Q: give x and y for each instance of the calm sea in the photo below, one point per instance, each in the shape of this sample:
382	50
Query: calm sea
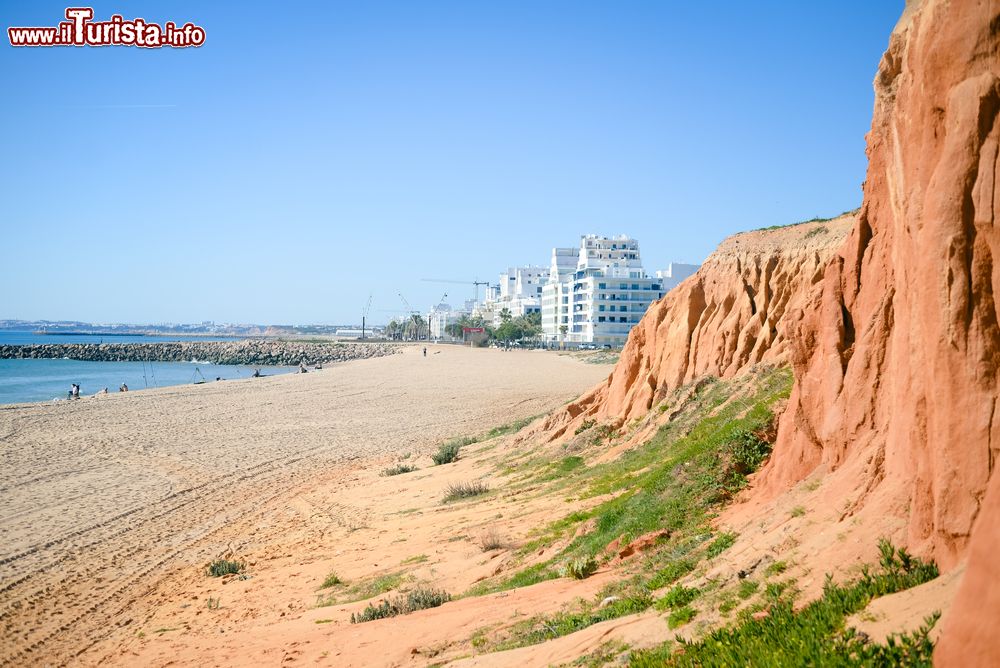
44	380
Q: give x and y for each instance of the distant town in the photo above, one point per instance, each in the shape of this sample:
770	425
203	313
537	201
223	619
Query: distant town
590	295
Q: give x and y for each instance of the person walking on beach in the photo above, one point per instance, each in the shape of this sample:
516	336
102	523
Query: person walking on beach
425	351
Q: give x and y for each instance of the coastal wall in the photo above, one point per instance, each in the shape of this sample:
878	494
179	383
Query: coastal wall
249	352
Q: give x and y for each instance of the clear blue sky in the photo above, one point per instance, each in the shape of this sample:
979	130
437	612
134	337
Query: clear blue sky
312	153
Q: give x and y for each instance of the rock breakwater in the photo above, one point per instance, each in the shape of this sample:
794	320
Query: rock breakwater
246	352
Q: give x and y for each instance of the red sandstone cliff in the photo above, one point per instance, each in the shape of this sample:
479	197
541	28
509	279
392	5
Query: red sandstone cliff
893	336
730	315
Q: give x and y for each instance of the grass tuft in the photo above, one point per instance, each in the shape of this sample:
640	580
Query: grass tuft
816	634
448	451
399	469
465	490
581	568
331	581
418	599
491	539
221	567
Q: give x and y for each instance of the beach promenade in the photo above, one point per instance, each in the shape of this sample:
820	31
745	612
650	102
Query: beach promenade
103	498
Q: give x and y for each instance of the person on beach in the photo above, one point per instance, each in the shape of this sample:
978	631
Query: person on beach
256	373
425	351
75	391
302	368
123	388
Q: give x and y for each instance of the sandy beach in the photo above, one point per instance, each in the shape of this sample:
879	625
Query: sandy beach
107	498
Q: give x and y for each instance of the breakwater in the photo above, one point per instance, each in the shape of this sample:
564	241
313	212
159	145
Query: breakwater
245	352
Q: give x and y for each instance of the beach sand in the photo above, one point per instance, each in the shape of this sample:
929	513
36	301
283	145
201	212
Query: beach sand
111	506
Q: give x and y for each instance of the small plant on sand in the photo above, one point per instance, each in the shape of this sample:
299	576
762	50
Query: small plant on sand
584	426
331	581
678	597
747	589
777	568
221	567
580	569
418	599
213	603
399	469
491	539
448	451
720	545
465	490
681	616
670	574
815	634
748	451
797	511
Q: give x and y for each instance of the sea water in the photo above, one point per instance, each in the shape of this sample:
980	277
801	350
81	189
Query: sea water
48	379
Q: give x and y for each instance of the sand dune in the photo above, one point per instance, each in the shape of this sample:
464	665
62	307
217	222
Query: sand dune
103	498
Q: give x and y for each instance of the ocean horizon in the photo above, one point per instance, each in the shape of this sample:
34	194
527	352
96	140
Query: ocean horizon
35	380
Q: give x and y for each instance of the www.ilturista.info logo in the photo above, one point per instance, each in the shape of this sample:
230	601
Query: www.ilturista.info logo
80	30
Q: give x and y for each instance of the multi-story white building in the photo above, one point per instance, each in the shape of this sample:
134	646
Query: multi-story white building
440	317
606	294
519	292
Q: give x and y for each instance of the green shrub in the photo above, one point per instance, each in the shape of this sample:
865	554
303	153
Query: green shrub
670	574
747	589
418	599
678	597
465	490
720	545
580	569
331	581
584	426
681	616
399	469
814	635
777	568
448	451
221	567
748	451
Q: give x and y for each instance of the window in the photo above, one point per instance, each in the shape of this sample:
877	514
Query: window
600	318
602	286
600	307
623	286
655	286
622	319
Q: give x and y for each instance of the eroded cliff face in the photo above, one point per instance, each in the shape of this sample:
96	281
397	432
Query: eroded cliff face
892	332
732	314
896	360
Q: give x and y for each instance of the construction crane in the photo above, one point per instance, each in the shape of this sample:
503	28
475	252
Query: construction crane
476	283
364	314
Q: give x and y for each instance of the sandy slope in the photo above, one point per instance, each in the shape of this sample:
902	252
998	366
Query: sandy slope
110	506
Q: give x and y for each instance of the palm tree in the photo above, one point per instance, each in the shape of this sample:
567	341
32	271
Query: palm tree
505	314
415	326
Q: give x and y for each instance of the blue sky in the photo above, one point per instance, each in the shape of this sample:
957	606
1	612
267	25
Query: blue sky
311	154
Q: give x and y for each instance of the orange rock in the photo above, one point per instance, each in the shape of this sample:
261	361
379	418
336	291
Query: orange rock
892	334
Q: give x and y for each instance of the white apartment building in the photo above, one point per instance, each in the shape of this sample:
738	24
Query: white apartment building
440	317
519	291
606	294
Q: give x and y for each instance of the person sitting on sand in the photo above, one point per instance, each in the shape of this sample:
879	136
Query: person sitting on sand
76	391
256	373
302	368
123	388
